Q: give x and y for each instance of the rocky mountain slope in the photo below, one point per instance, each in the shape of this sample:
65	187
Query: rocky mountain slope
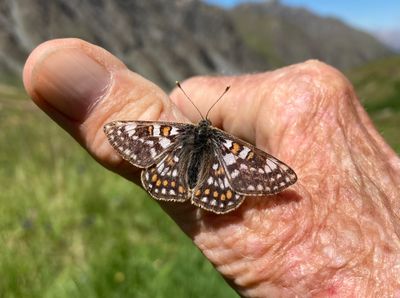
171	40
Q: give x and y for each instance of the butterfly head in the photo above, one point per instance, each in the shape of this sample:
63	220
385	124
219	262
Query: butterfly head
205	123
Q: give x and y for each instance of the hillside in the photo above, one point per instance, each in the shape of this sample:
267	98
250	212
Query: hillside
378	87
378	83
284	35
171	40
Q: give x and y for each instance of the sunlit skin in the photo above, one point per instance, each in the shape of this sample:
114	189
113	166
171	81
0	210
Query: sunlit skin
334	233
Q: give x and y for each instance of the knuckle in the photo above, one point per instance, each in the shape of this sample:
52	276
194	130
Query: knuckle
323	79
314	83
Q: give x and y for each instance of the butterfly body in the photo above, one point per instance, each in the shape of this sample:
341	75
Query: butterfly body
200	163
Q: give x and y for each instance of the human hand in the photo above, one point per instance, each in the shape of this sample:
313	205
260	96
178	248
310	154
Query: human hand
334	233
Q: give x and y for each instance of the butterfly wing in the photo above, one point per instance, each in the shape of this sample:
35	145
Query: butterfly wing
166	180
213	191
251	171
142	142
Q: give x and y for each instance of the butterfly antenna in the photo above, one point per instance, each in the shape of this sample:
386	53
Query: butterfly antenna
226	90
180	87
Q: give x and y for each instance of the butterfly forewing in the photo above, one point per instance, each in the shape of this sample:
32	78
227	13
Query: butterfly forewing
165	180
251	171
142	142
213	191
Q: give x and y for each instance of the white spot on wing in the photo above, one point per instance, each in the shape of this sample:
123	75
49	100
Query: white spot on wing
172	192
235	173
153	152
165	171
174	173
229	159
164	142
156	130
174	131
130	126
260	187
215	166
160	167
271	165
250	187
150	143
244	152
228	144
226	182
243	167
210	180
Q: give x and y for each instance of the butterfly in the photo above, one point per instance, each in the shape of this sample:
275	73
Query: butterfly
198	163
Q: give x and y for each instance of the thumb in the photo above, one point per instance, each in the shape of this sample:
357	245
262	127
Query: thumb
82	87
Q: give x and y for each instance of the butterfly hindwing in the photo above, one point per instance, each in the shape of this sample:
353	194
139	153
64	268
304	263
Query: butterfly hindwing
142	142
213	191
251	171
165	180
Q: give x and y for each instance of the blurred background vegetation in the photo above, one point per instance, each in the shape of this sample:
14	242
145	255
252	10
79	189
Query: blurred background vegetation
69	228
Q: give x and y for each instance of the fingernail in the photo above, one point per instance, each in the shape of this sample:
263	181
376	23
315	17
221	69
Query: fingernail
70	81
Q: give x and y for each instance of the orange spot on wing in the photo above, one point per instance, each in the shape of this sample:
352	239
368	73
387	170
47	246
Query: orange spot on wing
165	182
158	183
220	171
223	197
154	178
173	183
150	129
229	194
207	191
235	148
197	193
181	189
250	155
166	130
215	194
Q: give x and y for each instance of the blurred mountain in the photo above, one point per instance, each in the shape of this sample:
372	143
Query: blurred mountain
389	37
285	35
171	40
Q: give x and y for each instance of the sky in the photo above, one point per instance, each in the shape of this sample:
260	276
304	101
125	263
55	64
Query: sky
370	15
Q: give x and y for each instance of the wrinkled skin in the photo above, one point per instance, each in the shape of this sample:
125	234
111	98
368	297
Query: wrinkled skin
334	233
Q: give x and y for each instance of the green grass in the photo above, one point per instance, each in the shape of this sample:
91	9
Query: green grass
70	228
378	87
